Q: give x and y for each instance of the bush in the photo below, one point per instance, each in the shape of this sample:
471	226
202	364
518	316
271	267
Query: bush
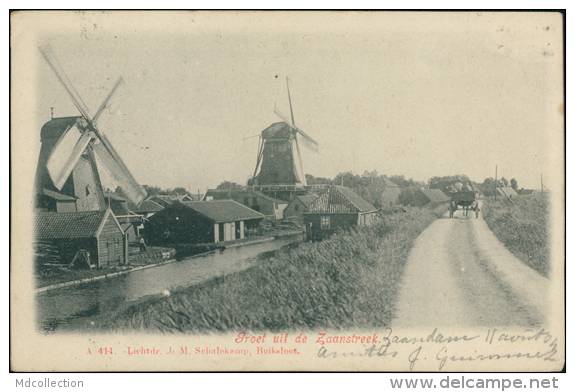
523	230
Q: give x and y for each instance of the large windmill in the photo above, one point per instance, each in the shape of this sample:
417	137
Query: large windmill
279	158
71	147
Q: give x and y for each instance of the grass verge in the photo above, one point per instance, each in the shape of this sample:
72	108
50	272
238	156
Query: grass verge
347	281
523	230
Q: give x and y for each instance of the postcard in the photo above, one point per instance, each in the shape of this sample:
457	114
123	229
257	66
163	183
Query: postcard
287	191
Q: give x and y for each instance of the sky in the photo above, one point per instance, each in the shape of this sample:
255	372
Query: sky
415	94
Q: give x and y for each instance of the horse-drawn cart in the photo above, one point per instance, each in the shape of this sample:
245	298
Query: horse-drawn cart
465	199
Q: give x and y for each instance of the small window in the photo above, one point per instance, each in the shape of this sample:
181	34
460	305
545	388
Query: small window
87	190
325	222
296	207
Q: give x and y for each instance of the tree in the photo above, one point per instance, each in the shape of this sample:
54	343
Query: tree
120	192
179	191
446	182
513	183
402	182
370	174
408	195
152	190
311	180
504	182
488	186
228	185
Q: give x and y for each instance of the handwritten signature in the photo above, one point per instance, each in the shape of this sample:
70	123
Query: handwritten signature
444	355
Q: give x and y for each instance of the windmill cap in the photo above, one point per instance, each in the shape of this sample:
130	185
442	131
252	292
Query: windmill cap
279	130
54	128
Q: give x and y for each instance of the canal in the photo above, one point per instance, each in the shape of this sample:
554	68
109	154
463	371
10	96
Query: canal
56	308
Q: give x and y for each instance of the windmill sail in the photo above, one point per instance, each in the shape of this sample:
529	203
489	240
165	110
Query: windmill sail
66	154
75	140
48	54
118	171
307	141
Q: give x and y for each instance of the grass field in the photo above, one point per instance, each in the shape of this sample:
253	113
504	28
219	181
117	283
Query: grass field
347	281
523	230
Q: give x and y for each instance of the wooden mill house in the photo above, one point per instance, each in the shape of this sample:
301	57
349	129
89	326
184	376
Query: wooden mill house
337	207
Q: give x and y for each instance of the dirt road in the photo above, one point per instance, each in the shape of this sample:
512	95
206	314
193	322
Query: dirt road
459	274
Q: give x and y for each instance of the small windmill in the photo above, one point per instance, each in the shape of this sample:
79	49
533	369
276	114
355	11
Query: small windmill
279	157
70	147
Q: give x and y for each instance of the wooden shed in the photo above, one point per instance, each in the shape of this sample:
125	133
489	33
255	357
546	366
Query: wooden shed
60	235
337	207
201	222
295	209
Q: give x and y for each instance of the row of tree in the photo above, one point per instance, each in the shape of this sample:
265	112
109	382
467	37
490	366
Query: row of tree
359	184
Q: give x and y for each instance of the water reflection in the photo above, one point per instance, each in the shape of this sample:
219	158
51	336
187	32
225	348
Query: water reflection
56	307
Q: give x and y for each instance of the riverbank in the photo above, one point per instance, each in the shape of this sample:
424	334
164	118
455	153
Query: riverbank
347	281
153	257
523	228
58	276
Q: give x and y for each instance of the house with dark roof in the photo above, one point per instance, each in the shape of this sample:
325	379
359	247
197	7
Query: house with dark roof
337	207
201	222
50	201
384	192
295	209
270	206
60	235
427	196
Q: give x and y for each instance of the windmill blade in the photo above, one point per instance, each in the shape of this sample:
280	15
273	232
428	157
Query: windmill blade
105	103
66	154
50	57
301	172
284	117
118	169
251	137
289	97
307	141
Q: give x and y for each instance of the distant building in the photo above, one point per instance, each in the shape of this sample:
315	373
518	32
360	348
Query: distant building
506	191
337	207
384	192
524	192
59	236
295	209
201	222
271	207
427	196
